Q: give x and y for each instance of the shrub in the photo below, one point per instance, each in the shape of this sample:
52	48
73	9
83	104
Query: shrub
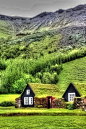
6	103
70	107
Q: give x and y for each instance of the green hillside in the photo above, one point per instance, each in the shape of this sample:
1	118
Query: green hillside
43	50
6	29
75	72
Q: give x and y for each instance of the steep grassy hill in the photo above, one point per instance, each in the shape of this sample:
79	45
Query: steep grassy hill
75	72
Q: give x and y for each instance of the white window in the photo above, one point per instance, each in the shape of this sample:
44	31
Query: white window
26	102
30	100
27	92
71	96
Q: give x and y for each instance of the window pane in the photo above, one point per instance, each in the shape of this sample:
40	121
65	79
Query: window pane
71	96
30	100
25	100
27	92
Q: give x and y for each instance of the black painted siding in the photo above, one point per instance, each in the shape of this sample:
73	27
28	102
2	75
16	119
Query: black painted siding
25	95
70	89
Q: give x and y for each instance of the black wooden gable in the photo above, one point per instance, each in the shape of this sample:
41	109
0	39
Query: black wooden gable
71	88
28	88
27	97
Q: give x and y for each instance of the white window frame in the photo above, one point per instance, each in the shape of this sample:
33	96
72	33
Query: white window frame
30	100
26	99
71	96
28	92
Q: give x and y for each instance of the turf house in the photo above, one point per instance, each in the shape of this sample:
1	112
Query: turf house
27	98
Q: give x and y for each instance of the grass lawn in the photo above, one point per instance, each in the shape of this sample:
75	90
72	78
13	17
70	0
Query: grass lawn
8	97
43	122
42	111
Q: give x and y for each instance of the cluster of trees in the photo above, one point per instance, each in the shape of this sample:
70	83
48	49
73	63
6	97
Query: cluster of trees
18	73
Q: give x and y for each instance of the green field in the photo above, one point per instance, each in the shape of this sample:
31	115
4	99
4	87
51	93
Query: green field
43	122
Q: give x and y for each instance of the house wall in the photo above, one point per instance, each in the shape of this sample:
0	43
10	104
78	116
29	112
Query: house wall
43	103
25	95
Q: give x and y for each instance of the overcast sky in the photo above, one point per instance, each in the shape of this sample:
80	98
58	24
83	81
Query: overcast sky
30	8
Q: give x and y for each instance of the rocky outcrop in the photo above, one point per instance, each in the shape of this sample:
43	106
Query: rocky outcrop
52	20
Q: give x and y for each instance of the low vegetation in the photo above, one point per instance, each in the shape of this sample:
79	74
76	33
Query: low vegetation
6	104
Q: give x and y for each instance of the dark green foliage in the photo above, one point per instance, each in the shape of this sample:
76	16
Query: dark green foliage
6	104
2	65
56	68
70	107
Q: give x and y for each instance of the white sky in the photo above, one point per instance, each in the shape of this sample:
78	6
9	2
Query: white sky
30	8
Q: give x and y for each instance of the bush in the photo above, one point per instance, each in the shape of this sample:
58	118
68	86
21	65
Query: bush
70	107
6	104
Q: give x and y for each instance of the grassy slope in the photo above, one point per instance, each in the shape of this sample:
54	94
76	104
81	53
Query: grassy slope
6	29
75	72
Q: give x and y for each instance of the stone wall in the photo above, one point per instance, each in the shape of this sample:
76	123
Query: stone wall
41	102
58	103
18	102
80	103
77	103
